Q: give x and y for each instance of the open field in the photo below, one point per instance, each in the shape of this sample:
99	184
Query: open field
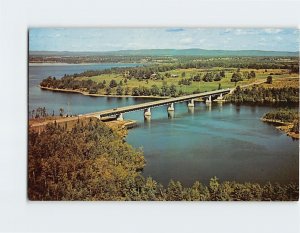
279	77
285	81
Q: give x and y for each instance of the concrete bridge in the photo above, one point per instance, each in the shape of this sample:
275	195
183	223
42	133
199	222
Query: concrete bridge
118	112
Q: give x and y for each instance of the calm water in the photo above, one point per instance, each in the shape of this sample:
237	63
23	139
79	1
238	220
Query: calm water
227	141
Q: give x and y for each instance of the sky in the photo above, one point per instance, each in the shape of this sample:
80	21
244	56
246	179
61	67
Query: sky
114	39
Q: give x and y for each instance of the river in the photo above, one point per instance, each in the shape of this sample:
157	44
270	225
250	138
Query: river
224	140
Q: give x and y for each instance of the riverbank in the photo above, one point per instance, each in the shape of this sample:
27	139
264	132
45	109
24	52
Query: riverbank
283	126
39	125
101	95
70	64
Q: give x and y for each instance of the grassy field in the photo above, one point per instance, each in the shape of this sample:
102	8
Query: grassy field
281	82
280	77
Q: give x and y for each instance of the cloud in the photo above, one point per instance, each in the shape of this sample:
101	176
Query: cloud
174	30
95	39
272	30
186	40
228	30
244	32
262	39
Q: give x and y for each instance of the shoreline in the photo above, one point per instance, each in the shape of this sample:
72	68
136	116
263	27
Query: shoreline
74	64
283	126
100	95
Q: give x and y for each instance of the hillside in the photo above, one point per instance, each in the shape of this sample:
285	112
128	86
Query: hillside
168	52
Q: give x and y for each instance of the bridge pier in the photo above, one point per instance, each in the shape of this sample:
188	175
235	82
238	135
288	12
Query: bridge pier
120	117
147	112
191	103
220	98
208	100
171	107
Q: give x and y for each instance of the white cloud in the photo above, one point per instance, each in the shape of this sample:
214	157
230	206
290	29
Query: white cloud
240	32
243	32
272	30
262	39
186	40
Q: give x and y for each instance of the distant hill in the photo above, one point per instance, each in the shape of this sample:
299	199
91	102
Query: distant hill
171	52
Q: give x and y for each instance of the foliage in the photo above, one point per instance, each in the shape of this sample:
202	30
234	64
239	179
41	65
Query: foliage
261	94
39	112
236	77
283	115
295	127
92	162
269	79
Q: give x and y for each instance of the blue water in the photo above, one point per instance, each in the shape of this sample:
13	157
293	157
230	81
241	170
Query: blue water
227	141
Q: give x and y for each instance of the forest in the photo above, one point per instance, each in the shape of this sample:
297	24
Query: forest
90	161
146	71
188	75
260	94
284	115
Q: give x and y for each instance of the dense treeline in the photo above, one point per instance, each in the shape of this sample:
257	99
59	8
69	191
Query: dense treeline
92	87
145	72
88	162
96	59
70	83
284	115
183	62
42	112
92	162
261	94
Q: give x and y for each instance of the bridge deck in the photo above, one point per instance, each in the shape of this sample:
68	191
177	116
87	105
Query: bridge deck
156	103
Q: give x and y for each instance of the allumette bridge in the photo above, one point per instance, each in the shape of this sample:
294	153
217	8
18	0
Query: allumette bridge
118	112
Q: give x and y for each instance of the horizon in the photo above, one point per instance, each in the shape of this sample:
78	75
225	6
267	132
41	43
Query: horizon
120	39
162	49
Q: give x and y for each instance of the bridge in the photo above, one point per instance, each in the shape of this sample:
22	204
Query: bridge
118	112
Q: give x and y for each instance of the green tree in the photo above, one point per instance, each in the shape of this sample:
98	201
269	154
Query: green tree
135	91
236	77
174	191
165	90
127	90
61	111
154	90
108	90
113	83
269	79
173	90
217	77
119	90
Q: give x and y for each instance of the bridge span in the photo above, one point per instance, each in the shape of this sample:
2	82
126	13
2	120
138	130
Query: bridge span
118	112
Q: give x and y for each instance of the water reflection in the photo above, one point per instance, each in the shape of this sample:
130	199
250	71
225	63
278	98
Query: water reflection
220	106
238	109
208	106
171	114
253	109
147	119
191	110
